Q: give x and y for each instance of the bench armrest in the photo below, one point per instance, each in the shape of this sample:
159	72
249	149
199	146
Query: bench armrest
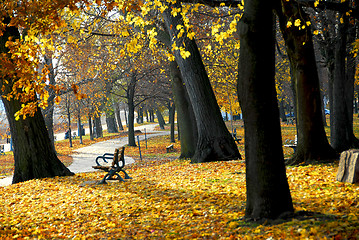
105	157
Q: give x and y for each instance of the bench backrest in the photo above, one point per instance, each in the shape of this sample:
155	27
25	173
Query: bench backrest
117	159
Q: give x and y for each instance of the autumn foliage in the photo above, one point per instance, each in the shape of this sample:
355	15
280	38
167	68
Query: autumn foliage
173	199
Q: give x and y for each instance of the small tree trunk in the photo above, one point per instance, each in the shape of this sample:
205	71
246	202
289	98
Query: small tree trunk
172	122
79	128
90	127
69	124
160	119
126	118
118	116
131	110
98	126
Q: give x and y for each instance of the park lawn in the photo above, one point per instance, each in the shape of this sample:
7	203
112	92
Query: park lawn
173	199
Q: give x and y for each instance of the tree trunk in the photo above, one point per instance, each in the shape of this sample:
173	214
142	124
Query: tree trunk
126	117
98	127
69	123
152	115
268	194
187	127
34	154
160	119
172	113
118	116
131	110
215	143
140	115
90	127
48	112
111	122
79	128
313	144
342	135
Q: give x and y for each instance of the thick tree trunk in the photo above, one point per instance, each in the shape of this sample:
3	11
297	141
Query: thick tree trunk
187	129
313	144
268	193
215	143
34	156
342	135
160	119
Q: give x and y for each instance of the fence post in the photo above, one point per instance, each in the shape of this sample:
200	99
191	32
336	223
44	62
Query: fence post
139	146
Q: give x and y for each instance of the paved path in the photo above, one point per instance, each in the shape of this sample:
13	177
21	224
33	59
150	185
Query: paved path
84	158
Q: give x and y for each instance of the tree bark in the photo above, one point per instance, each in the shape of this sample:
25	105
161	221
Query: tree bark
215	143
90	127
118	116
187	129
34	154
342	135
98	127
68	112
160	119
131	110
172	113
111	121
48	112
79	128
313	144
268	194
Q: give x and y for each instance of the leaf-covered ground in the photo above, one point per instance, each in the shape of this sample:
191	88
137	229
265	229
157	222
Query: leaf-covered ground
173	199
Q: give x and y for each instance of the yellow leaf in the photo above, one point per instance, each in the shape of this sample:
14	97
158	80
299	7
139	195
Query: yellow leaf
297	22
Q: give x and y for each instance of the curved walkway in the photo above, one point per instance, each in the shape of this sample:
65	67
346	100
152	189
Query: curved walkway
84	158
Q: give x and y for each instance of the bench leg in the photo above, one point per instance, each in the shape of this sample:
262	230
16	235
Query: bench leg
103	181
126	175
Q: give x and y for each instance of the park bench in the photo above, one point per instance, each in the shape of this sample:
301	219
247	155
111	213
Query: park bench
291	143
234	135
169	148
116	167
